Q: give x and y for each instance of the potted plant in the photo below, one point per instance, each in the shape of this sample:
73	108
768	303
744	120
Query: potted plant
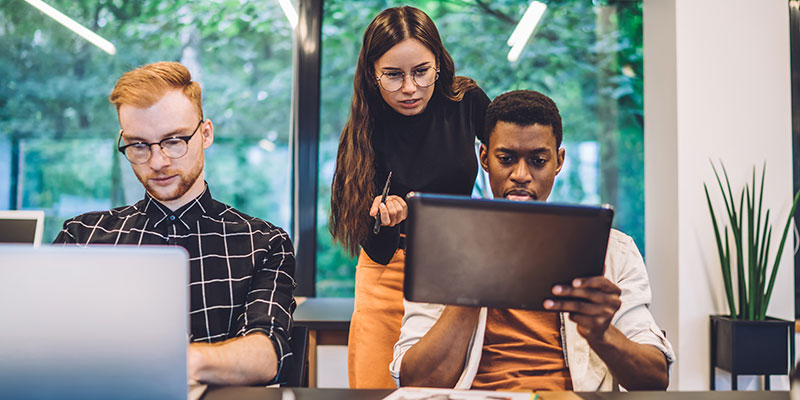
747	341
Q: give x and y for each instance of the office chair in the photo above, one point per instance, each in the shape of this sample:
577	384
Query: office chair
298	372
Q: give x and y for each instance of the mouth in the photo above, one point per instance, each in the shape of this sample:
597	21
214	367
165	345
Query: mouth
520	195
163	180
409	103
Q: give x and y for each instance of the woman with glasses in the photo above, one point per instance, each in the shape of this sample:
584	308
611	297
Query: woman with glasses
412	117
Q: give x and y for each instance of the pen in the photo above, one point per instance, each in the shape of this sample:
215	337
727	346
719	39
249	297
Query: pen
377	227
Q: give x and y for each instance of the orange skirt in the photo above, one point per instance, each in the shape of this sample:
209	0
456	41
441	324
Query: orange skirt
375	326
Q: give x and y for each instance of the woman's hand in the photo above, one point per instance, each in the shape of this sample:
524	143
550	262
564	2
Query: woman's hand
394	211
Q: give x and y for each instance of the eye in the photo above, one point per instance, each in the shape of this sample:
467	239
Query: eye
539	161
171	142
393	75
505	159
422	71
139	146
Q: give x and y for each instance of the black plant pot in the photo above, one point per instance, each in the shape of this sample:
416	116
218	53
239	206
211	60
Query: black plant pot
751	347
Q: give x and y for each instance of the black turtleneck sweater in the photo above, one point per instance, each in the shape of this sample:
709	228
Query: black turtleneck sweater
432	152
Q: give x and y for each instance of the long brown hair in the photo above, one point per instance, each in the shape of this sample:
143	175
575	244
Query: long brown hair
352	189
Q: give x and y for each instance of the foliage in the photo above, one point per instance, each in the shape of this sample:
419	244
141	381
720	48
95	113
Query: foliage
587	57
54	109
751	242
54	113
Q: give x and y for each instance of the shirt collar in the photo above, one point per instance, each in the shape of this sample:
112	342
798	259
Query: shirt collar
184	217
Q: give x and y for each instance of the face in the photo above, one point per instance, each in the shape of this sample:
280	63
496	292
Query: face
412	58
522	161
172	181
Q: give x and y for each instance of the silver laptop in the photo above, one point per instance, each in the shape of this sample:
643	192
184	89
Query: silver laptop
93	323
21	226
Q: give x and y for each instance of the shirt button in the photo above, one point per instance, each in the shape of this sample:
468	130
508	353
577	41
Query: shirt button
172	218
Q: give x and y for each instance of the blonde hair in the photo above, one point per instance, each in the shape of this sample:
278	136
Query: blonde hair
144	86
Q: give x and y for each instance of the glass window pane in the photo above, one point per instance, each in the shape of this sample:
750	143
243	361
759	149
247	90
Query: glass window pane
586	55
58	130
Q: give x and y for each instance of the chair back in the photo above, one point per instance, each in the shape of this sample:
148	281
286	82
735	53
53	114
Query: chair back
298	367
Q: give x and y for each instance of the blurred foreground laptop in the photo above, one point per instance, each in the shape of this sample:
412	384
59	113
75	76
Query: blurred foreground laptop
21	226
93	323
499	253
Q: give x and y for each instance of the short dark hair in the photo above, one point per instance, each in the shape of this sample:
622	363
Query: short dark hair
524	108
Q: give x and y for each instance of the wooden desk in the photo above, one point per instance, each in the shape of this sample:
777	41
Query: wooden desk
328	323
261	393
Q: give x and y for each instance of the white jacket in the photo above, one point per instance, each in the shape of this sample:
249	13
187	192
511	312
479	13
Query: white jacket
624	267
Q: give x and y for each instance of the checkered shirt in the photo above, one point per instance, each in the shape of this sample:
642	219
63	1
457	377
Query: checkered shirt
241	268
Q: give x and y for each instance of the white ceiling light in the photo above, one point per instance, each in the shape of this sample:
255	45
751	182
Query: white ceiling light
524	29
289	11
79	29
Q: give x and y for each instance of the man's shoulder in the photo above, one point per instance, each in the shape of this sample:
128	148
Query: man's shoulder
95	217
238	220
619	238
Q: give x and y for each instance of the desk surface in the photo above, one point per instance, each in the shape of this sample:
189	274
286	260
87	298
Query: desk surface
248	393
331	313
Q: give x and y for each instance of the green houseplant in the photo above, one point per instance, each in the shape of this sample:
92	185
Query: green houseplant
747	342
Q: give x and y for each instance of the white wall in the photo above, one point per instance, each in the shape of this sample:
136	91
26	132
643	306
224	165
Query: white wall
717	86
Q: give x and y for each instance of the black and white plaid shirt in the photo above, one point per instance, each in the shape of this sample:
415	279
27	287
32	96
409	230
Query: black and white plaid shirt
241	268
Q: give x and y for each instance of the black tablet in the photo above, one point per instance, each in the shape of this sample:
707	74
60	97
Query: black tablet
499	253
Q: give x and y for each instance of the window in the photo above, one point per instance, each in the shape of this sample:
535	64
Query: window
586	55
58	131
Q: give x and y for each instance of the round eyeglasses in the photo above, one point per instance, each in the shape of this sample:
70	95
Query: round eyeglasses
392	81
172	147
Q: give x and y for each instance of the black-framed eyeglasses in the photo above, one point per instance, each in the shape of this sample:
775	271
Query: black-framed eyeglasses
392	81
172	147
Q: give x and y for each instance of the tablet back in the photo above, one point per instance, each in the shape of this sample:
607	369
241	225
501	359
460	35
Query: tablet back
499	253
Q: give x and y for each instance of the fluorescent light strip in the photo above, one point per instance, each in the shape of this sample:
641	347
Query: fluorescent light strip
79	29
524	29
289	11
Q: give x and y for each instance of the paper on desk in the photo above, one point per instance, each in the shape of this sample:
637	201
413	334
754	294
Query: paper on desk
196	390
452	394
557	395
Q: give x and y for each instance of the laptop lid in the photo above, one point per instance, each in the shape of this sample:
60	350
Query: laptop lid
499	253
93	323
21	226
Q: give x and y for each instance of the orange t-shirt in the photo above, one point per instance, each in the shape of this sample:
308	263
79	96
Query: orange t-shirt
522	351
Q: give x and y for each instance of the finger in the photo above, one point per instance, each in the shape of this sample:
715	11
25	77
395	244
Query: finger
403	209
398	210
575	306
385	218
373	210
391	206
588	295
593	324
597	282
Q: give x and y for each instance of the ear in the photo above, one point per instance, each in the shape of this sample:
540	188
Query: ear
207	129
484	157
560	159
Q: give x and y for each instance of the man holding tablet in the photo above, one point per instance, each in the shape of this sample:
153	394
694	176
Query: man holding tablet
241	268
598	331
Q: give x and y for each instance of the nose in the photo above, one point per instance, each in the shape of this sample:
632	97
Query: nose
158	160
520	173
409	86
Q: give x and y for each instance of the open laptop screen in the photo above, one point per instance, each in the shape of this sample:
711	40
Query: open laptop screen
93	323
23	227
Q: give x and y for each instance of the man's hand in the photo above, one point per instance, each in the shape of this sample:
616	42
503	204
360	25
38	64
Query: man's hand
591	304
244	360
392	213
